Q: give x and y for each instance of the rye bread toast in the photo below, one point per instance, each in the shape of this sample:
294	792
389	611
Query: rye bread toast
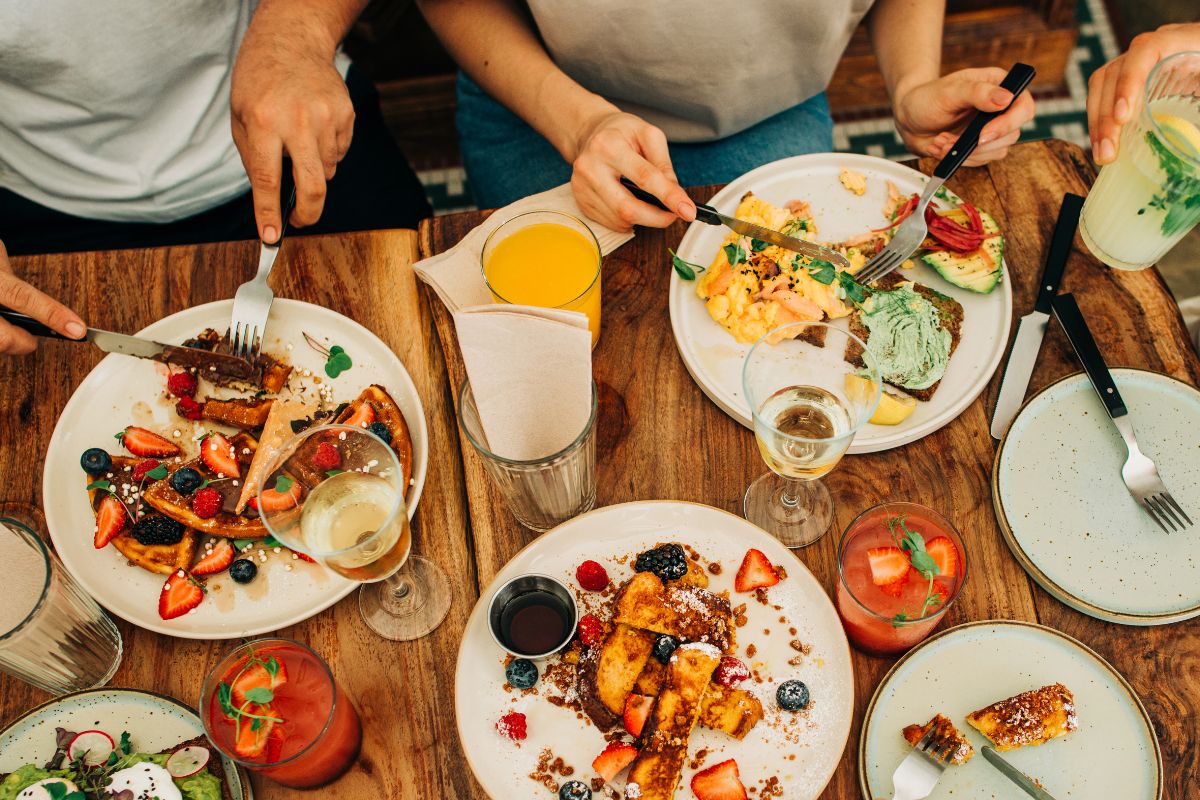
689	613
160	558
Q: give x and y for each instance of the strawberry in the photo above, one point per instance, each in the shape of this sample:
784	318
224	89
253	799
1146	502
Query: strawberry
895	588
889	568
616	757
637	710
513	726
719	782
217	560
207	502
146	444
591	630
217	453
303	557
182	384
253	734
110	520
189	409
139	472
756	572
326	456
731	671
180	594
592	576
257	676
363	416
945	554
272	500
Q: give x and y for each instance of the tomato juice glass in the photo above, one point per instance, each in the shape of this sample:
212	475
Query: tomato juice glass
273	706
881	622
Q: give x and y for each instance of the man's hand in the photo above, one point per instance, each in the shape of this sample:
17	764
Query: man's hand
20	296
615	144
1115	90
930	116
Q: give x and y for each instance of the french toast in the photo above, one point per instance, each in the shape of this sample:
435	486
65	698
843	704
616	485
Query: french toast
656	771
1030	718
161	558
726	709
607	673
269	374
944	732
688	613
246	413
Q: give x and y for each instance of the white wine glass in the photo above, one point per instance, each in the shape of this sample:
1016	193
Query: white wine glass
336	493
810	387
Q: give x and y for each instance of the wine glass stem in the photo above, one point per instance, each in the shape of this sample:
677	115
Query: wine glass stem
789	497
402	596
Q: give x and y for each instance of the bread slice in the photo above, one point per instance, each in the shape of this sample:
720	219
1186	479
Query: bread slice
944	732
731	711
608	673
1030	718
215	766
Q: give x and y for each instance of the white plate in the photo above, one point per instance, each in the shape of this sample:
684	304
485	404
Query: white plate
122	390
714	359
609	533
1081	535
1114	753
154	722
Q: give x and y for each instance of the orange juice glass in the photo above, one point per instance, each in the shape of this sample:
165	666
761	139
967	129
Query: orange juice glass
547	259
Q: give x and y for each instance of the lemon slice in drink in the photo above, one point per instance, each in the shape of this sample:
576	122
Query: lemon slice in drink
1181	133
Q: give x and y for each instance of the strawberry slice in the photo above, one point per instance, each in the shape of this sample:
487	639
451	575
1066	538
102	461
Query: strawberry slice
252	734
719	782
216	561
110	520
147	444
756	572
257	676
217	454
945	554
637	710
895	588
363	416
180	594
616	757
271	500
889	568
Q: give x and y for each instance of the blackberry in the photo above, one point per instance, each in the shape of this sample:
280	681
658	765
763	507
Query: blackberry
664	646
792	696
574	790
667	562
186	480
381	430
95	461
522	673
157	530
243	570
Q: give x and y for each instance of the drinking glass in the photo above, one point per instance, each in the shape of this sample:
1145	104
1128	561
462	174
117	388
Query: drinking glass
52	633
807	401
883	622
547	259
1145	201
308	733
353	519
543	492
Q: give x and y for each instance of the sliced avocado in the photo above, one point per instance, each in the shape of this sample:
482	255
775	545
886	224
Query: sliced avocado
978	271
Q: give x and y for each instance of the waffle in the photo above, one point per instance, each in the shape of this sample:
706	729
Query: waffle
1030	718
688	613
943	732
161	558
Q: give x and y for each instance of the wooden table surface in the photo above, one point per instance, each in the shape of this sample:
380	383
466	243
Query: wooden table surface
651	408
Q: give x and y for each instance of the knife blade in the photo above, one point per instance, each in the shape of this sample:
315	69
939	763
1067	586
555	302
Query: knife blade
1031	328
710	216
1015	775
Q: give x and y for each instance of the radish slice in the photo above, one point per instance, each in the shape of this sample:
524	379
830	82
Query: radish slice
93	746
187	761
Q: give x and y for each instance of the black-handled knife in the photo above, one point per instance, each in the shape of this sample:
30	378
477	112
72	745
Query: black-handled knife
1015	81
1076	327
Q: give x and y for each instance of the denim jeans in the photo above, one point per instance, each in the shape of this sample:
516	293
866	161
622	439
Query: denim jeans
506	160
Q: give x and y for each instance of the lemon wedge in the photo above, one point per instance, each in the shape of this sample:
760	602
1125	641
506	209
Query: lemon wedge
1182	133
894	405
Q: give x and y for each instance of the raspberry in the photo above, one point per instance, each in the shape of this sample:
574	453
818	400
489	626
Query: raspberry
326	457
182	384
189	408
730	671
139	472
513	726
591	576
591	630
207	502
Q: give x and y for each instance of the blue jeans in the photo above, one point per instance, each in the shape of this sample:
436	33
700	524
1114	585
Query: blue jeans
506	160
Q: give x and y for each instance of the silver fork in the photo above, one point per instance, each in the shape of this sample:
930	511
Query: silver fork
1139	473
914	229
252	302
921	769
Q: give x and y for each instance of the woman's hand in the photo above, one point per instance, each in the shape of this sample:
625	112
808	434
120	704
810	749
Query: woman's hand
931	116
20	296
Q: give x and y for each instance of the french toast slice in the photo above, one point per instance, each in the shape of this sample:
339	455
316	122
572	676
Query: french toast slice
1029	718
607	673
944	732
160	558
270	374
656	770
688	613
731	711
245	413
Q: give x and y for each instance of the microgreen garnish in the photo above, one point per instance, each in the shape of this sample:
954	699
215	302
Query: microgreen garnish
1180	191
855	292
822	271
104	486
913	545
120	437
158	473
758	245
685	269
58	791
337	360
735	254
794	226
329	473
283	484
260	696
125	745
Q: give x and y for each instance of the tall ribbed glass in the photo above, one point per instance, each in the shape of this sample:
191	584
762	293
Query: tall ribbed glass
52	633
544	492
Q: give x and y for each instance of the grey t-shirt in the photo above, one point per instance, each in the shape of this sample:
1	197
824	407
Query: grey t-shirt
699	69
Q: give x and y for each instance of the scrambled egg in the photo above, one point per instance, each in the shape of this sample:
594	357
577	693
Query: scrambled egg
853	181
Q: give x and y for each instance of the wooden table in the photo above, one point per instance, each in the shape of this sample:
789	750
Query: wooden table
651	408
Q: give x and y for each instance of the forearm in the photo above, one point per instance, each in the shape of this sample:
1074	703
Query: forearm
495	43
907	38
318	25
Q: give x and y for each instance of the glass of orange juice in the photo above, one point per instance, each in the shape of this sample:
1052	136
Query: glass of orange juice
547	259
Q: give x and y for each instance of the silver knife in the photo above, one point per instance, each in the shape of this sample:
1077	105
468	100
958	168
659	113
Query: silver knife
1015	775
1032	327
710	216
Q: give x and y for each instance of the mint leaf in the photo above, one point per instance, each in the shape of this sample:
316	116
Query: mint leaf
242	544
684	269
283	484
260	694
104	486
822	271
158	473
735	254
923	563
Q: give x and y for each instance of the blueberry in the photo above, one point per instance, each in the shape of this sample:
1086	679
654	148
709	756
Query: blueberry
381	430
574	790
186	480
522	673
664	645
792	696
95	461
243	570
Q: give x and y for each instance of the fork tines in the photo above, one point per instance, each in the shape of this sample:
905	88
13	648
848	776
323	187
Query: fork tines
1166	512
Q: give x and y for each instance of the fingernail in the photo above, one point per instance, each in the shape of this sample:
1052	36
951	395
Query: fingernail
1001	96
687	211
270	234
1121	110
75	330
984	138
1107	151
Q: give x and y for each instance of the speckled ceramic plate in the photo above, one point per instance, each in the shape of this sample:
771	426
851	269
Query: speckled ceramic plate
800	751
154	722
1070	521
1114	753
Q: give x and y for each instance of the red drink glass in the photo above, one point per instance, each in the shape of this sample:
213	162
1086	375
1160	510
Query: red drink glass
881	622
273	706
